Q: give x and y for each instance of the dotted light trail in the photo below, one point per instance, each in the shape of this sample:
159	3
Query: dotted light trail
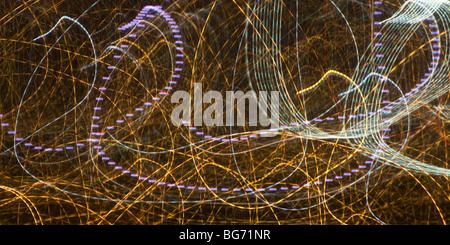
85	112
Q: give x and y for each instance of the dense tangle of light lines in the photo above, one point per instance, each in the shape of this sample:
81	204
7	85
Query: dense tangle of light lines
86	135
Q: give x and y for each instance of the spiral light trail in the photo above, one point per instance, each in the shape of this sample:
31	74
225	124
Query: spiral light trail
86	135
